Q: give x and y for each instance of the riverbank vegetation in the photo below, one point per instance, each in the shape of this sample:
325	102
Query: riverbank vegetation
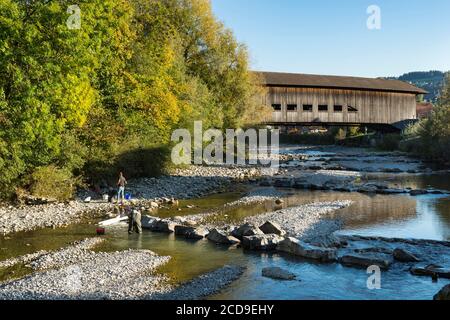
89	101
349	136
430	138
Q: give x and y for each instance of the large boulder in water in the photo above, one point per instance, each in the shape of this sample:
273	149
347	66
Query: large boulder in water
432	271
183	230
264	242
272	228
366	260
404	256
298	248
165	226
148	222
278	273
220	237
246	230
197	233
444	294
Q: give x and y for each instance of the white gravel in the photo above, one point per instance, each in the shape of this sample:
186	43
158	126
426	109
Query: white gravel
306	222
253	197
16	219
192	182
204	285
41	260
106	276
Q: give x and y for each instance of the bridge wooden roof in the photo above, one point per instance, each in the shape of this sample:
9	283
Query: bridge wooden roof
337	82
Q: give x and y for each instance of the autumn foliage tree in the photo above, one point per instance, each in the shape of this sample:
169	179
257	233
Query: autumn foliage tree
76	100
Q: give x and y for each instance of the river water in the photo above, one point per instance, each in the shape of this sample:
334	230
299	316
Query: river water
425	217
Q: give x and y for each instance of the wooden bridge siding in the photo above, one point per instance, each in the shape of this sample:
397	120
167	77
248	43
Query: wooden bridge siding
373	106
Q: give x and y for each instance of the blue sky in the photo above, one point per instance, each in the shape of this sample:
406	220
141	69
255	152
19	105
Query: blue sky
331	36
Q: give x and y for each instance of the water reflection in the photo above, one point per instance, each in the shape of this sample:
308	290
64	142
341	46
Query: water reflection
392	216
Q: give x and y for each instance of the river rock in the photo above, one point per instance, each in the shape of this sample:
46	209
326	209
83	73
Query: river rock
153	205
279	202
165	226
391	191
444	294
302	185
148	222
329	241
432	271
404	256
197	233
265	183
221	237
284	183
272	228
278	273
418	192
367	189
183	230
246	230
264	242
365	261
296	247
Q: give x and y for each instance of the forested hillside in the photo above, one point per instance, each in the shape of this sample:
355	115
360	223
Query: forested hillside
76	105
432	81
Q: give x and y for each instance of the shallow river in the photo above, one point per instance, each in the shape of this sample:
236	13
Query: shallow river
400	216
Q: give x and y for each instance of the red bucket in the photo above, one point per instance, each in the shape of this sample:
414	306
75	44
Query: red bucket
101	231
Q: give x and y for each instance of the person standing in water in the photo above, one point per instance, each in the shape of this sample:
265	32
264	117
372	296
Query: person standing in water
134	221
121	184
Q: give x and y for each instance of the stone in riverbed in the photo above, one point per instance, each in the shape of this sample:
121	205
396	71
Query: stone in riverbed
279	202
246	230
197	234
444	294
329	241
431	271
221	237
272	228
284	183
418	192
265	183
264	242
183	230
164	226
154	205
391	191
365	261
278	273
304	250
367	189
148	222
404	256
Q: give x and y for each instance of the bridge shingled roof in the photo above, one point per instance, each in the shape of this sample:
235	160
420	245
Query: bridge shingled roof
336	82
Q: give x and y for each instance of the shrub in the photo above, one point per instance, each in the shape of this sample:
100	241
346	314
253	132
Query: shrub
430	137
149	162
340	134
353	131
53	183
390	142
307	138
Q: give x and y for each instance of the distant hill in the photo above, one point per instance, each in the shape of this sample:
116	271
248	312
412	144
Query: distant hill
432	81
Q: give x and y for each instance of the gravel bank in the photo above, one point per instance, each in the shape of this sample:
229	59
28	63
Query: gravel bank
253	197
306	222
193	182
105	276
16	219
41	260
204	285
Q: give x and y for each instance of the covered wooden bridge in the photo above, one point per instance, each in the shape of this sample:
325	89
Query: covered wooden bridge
313	100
